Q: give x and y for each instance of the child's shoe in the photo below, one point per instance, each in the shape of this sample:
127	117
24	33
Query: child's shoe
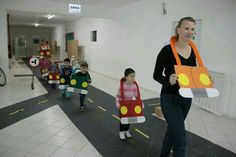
127	134
82	108
122	135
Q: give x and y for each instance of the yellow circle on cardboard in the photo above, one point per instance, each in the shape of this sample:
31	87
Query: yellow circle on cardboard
73	82
62	80
204	78
183	79
137	109
124	110
84	84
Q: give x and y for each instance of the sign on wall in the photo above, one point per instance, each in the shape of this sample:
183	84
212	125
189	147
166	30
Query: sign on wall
74	8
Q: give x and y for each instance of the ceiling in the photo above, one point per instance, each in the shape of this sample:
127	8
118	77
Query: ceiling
30	18
100	3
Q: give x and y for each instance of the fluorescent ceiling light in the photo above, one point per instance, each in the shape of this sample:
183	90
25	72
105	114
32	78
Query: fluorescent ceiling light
50	16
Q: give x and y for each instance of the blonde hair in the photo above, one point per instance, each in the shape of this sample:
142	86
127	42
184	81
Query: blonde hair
180	22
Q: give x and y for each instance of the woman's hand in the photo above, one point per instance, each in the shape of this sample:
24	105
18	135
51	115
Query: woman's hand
173	79
212	79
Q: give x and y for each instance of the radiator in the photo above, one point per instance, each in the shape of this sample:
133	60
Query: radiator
214	105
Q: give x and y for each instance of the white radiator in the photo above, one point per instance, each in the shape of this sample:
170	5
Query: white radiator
214	105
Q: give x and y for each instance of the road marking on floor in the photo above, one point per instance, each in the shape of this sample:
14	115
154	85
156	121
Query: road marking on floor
114	116
43	101
90	100
156	104
10	114
102	108
142	133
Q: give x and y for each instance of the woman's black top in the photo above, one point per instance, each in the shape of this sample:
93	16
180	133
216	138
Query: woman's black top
165	67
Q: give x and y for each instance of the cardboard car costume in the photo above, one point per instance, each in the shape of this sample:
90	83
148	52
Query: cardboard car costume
193	81
131	111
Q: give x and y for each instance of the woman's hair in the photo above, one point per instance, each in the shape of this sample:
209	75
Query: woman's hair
127	72
180	23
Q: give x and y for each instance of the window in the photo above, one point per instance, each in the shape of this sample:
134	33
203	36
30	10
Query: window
94	36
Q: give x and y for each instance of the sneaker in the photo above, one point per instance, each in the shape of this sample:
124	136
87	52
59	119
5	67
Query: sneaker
82	109
122	135
127	134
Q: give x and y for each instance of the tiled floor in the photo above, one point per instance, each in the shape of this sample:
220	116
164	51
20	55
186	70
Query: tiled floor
12	93
219	130
48	133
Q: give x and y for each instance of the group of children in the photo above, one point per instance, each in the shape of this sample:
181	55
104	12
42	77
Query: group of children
66	72
62	76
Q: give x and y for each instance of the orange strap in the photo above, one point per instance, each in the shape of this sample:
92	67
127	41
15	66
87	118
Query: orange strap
195	50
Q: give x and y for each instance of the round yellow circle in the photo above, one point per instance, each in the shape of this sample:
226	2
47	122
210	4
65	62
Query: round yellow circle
58	77
124	110
62	80
84	84
73	82
41	53
183	79
137	109
204	78
50	77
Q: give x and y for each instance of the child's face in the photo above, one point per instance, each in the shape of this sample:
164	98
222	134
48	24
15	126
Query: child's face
84	69
67	63
130	78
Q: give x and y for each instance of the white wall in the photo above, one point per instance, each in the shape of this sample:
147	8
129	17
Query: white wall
136	32
3	41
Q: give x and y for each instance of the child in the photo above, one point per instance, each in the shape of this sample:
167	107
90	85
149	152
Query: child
44	65
83	72
65	72
130	93
44	48
54	70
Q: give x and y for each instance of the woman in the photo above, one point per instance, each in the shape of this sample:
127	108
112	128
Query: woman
175	107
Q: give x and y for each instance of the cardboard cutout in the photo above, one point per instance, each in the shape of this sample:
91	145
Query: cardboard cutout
131	111
193	81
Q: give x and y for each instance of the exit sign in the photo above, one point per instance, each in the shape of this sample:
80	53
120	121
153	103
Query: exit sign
74	8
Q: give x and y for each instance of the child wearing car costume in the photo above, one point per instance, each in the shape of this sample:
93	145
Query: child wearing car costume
79	84
65	74
129	103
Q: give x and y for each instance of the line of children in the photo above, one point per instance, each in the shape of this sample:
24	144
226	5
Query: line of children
72	80
130	89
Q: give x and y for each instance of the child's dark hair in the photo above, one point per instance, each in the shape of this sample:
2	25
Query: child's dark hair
84	64
67	60
127	72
